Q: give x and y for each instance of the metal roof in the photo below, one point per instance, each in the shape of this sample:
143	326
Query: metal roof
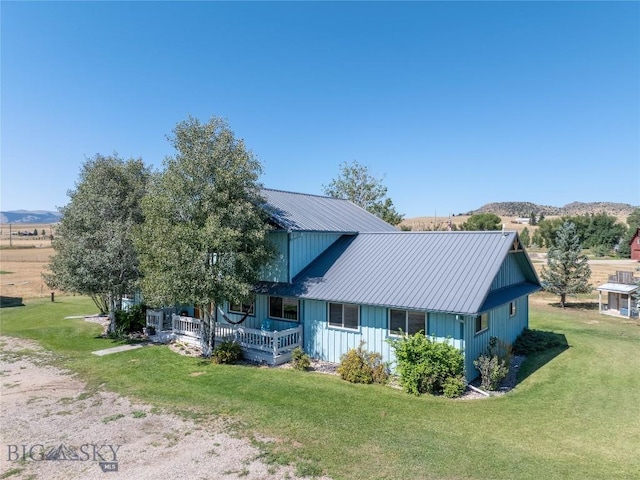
618	288
314	213
433	271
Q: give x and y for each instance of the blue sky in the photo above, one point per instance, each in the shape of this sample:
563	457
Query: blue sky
456	104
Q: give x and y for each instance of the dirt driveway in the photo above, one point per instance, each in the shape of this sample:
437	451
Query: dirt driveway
53	428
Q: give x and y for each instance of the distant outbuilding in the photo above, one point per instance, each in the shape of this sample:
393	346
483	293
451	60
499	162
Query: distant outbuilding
634	245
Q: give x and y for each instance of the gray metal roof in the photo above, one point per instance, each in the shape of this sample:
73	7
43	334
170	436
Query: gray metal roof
618	288
314	213
433	271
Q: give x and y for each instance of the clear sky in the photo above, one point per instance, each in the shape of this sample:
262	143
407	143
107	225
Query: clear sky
456	104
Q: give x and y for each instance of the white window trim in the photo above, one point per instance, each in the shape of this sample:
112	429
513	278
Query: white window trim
297	320
513	309
343	328
391	333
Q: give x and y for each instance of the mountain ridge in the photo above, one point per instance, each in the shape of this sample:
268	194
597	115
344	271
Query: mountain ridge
525	209
29	216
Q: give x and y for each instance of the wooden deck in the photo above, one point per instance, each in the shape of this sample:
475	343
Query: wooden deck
273	348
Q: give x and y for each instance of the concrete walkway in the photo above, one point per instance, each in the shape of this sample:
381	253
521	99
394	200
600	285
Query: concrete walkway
120	348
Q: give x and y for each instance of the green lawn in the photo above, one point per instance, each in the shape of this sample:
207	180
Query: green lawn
575	416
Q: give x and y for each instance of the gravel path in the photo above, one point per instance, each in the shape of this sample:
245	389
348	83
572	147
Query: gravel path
81	432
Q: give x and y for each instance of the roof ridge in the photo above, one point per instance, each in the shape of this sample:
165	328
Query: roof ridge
441	232
305	194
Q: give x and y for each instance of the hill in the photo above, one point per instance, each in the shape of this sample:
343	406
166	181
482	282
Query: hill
524	209
29	216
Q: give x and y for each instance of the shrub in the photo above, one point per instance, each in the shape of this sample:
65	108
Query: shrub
501	349
492	371
361	366
131	321
299	359
453	387
534	341
227	352
424	364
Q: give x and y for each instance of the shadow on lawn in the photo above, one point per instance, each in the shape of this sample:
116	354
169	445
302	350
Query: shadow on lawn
540	347
11	302
577	305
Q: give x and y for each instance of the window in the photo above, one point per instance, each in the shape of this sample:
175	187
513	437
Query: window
482	322
242	308
283	308
404	321
344	316
512	309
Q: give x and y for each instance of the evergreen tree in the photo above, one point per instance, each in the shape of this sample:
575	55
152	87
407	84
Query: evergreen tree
525	238
532	219
633	223
567	271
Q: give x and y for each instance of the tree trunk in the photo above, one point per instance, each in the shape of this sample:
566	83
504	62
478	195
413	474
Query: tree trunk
563	299
112	313
208	339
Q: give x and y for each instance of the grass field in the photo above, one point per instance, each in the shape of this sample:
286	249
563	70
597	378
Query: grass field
575	413
22	261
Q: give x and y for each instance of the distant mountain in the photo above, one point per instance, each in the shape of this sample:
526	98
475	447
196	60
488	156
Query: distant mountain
524	209
29	216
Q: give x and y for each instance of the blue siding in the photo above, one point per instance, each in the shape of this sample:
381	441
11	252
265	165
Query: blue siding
330	343
446	327
277	270
261	313
509	273
305	247
501	325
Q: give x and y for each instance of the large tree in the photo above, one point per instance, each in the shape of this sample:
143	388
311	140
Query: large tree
94	252
204	239
482	222
633	223
567	271
356	184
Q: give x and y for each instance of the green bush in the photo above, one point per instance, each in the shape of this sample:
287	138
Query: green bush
227	352
600	251
361	366
133	320
501	349
424	365
299	359
453	387
534	341
492	371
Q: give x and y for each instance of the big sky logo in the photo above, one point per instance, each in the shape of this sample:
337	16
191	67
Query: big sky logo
106	455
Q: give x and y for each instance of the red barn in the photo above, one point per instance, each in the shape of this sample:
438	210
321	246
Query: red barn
634	244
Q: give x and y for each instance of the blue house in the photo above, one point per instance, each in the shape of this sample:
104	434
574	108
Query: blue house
342	275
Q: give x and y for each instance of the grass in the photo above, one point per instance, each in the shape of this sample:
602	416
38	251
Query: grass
576	414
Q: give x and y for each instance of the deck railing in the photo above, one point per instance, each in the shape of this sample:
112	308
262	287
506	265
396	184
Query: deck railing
277	343
190	327
159	318
266	343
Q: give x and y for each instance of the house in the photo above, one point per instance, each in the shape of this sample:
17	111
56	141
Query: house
620	290
342	275
634	245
